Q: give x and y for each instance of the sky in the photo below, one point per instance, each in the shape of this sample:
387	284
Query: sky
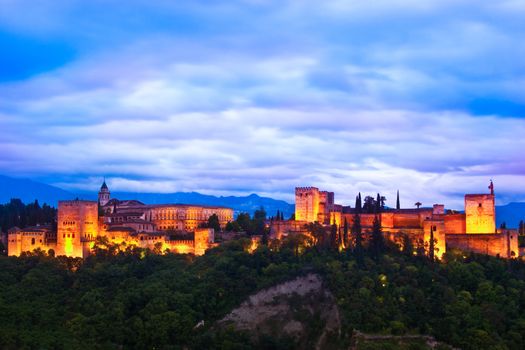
251	96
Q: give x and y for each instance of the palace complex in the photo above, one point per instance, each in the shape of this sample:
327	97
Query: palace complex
177	227
182	228
474	230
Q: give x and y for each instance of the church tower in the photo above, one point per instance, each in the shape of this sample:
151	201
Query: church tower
103	195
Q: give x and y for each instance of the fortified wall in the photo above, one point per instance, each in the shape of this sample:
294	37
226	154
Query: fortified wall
474	230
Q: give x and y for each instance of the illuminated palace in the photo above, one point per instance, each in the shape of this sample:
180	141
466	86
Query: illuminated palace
176	227
474	230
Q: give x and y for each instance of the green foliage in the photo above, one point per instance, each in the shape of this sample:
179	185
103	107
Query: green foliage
135	299
16	213
213	222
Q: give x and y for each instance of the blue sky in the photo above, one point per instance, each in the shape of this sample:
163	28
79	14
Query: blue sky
235	97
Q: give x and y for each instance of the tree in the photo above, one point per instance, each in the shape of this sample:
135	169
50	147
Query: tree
333	236
278	216
376	243
408	246
431	244
521	228
398	204
357	236
503	225
418	204
346	240
233	226
378	203
358	205
317	232
244	221
282	216
369	205
213	222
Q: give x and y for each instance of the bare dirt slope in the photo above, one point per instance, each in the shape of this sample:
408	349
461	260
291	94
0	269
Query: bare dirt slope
300	309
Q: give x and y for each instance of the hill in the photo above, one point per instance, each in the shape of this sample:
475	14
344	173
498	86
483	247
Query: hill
134	299
29	190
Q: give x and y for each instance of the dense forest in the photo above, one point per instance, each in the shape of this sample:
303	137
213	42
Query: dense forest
135	299
16	213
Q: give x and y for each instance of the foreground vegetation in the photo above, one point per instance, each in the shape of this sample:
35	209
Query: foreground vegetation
136	299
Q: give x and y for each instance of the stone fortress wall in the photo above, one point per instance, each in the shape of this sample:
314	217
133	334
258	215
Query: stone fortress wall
475	230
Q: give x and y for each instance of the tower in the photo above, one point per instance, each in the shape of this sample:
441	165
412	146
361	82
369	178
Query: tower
306	204
480	212
77	226
103	194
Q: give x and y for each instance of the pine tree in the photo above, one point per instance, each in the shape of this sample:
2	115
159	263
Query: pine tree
358	204
398	204
378	204
278	216
282	216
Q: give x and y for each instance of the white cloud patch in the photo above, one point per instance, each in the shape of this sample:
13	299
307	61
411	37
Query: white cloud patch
262	96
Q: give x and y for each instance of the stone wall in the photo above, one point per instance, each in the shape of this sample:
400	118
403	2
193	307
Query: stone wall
504	244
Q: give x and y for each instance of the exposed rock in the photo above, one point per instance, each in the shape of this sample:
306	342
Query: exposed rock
301	309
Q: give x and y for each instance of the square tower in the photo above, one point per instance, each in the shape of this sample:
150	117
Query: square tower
77	225
480	212
306	204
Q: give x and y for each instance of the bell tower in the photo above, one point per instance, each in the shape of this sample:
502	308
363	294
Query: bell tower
103	194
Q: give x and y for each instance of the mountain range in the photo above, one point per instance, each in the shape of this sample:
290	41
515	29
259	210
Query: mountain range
29	190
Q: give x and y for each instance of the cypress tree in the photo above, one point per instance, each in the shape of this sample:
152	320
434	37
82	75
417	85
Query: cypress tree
282	216
378	203
376	243
431	245
398	204
522	228
333	237
358	236
345	234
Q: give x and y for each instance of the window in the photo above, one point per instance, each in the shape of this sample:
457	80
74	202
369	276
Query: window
479	205
32	241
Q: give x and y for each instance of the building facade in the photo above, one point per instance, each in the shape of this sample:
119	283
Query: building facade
177	227
474	230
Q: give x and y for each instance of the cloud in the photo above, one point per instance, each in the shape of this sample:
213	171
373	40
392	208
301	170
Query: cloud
261	96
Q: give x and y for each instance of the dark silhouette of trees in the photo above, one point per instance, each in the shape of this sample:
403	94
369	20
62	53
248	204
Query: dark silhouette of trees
377	241
214	223
16	213
431	245
358	204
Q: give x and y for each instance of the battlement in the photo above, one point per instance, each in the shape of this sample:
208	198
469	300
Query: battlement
306	189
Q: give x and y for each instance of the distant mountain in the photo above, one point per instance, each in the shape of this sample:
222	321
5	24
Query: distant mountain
511	214
28	190
248	204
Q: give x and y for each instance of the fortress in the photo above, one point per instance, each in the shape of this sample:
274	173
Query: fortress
179	228
474	230
182	228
